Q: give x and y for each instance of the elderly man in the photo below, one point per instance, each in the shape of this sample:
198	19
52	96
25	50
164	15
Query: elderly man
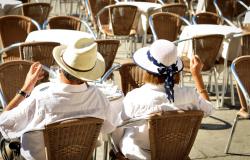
70	97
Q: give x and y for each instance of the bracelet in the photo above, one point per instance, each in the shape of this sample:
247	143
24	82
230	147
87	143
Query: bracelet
202	90
24	94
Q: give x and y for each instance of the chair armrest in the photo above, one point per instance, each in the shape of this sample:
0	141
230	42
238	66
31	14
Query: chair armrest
242	4
160	1
109	72
88	28
242	88
2	99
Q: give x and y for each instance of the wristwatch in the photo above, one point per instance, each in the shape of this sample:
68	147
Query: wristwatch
22	93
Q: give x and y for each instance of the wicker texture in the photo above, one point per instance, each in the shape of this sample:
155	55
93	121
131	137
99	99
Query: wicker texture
108	49
172	134
12	77
131	77
207	18
228	8
14	29
177	8
95	6
167	25
209	6
207	48
121	18
151	1
245	46
37	11
64	22
72	139
242	68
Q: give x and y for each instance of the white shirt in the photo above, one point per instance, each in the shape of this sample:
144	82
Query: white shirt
149	99
51	102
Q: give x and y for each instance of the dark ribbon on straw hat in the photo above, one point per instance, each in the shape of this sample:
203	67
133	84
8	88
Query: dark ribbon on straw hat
168	72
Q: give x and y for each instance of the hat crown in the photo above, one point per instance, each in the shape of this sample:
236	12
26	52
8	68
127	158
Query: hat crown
165	52
81	54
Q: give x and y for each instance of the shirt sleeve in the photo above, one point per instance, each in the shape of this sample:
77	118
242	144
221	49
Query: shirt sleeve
14	122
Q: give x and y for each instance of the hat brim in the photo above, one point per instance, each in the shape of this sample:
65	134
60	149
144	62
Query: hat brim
91	75
140	57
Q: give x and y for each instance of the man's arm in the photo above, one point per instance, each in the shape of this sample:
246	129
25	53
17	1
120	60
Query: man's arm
195	69
35	74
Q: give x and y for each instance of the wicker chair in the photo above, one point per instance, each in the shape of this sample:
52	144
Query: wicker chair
73	139
240	70
166	25
14	29
94	6
171	134
177	8
151	1
207	47
131	77
67	22
206	18
121	18
12	77
37	11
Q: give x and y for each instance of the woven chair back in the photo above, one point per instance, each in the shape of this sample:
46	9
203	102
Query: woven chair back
209	6
177	8
39	51
245	44
242	65
167	25
72	139
207	18
14	29
131	77
108	49
64	22
228	8
151	1
173	133
207	47
12	77
37	11
95	6
122	18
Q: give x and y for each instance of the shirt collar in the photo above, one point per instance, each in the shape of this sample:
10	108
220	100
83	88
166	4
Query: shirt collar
70	88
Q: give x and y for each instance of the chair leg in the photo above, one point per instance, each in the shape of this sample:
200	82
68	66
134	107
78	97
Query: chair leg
224	83
210	83
231	134
105	150
232	88
216	89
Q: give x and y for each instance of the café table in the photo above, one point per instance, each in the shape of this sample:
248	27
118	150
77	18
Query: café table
230	48
145	9
7	5
62	36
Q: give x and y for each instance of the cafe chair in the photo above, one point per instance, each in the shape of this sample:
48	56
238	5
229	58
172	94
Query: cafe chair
94	6
207	18
131	77
73	139
12	77
37	11
166	25
177	8
121	19
108	49
14	29
171	134
207	47
240	71
68	22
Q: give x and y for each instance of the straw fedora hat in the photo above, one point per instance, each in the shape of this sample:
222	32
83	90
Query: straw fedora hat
162	51
80	59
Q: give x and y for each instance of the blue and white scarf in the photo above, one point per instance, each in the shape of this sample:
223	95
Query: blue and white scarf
168	73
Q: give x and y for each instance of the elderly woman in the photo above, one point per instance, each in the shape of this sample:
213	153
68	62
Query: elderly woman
160	93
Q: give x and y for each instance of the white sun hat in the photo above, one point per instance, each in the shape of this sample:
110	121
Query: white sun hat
162	51
80	59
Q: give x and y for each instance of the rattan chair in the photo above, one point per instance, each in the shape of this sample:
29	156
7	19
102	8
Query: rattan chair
14	29
166	25
207	47
177	8
68	22
94	6
171	134
121	18
12	77
73	139
240	71
131	77
207	18
37	11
